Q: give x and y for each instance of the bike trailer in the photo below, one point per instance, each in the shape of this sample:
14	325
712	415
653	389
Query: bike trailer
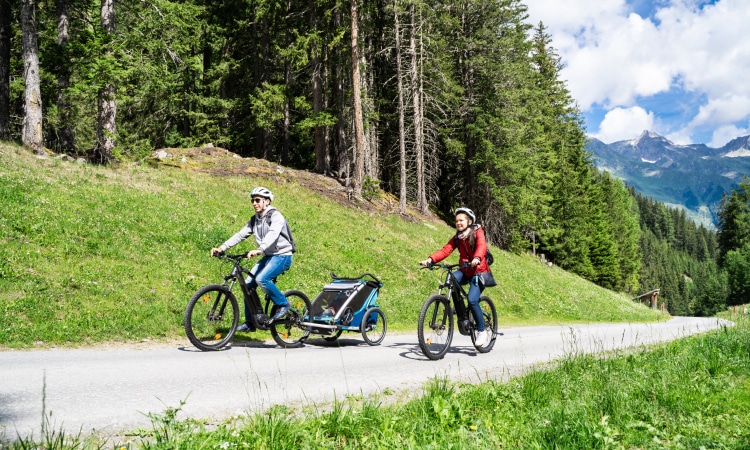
349	298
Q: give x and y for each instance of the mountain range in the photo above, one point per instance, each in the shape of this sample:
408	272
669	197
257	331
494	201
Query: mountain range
693	177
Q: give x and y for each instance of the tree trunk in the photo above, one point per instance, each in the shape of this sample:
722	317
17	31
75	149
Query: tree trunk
286	132
31	135
5	13
359	134
416	99
470	179
371	149
340	154
106	129
400	106
321	165
64	132
256	34
339	161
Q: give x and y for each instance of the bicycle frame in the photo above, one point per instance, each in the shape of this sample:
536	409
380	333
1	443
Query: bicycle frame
460	298
259	315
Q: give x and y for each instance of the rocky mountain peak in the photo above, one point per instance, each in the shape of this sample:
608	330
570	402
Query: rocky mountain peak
737	148
694	177
647	136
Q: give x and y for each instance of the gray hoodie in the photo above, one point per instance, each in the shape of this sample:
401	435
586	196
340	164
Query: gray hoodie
271	238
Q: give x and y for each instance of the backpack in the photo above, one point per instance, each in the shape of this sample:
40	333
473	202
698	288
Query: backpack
487	256
286	231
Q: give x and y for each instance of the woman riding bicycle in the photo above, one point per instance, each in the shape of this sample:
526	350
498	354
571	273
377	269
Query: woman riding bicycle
274	243
472	249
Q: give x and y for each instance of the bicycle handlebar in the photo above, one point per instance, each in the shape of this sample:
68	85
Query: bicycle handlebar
447	267
233	257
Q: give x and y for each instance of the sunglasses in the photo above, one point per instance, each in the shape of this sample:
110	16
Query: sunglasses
257	200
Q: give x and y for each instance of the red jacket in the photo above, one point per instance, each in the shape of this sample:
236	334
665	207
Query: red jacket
465	252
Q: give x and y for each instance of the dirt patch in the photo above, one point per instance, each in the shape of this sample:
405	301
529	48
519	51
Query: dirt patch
223	163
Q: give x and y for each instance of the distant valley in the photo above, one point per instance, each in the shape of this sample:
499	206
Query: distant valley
693	177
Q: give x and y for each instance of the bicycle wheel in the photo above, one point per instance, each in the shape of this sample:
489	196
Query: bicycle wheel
211	317
435	328
490	322
374	326
288	332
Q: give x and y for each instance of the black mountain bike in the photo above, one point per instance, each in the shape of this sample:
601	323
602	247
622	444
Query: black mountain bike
435	329
213	314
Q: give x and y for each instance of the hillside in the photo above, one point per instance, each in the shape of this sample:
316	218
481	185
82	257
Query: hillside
93	254
691	177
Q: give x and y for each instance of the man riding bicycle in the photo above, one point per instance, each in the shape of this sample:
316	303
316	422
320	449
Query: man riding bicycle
275	243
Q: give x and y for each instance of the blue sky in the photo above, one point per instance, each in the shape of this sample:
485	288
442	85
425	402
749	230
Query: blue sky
675	67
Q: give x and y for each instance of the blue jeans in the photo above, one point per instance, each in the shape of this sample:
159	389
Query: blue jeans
474	293
268	268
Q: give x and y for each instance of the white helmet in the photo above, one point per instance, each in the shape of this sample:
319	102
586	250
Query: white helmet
260	191
466	211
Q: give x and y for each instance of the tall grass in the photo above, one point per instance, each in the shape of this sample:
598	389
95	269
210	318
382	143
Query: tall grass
688	394
93	254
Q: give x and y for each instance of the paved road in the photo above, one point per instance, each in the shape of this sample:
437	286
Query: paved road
111	390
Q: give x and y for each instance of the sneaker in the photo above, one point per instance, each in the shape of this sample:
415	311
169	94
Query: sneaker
280	312
245	328
481	338
328	313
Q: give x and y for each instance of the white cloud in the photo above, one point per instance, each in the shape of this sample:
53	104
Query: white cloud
708	48
614	58
619	124
683	136
728	108
617	65
571	15
725	134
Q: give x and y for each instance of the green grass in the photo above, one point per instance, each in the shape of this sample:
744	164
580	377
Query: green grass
693	393
93	254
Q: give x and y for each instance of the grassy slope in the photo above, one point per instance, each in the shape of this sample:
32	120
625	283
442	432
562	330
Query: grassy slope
91	254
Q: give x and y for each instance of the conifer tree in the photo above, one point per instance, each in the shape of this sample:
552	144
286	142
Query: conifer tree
622	213
734	220
710	291
106	130
359	133
5	52
737	265
602	246
400	111
566	179
64	130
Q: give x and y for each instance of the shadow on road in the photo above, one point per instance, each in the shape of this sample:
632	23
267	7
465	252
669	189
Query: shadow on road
412	351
